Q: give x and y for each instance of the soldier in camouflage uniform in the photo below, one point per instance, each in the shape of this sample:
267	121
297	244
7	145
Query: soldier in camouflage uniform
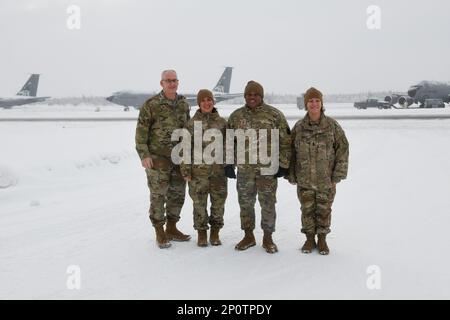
319	161
250	181
207	179
158	117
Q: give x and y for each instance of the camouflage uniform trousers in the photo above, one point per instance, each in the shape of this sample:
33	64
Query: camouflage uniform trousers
249	184
316	209
217	189
167	193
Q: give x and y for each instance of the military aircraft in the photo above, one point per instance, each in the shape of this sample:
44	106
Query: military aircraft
26	95
422	93
221	92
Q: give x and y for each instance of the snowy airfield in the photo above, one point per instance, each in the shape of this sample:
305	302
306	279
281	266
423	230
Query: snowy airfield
72	193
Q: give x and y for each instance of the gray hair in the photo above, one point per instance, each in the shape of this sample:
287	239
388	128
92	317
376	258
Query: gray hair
167	71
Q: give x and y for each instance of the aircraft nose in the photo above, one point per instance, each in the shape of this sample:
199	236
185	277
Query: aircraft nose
412	92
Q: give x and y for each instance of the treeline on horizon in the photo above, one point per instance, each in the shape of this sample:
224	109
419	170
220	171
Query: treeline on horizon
270	98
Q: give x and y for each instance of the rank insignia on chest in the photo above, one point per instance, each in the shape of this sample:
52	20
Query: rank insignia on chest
243	123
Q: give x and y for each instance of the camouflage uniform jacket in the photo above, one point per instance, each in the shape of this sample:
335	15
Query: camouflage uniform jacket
158	118
263	117
209	121
319	153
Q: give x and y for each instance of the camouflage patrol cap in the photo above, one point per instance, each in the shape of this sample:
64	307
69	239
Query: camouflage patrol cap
253	86
204	93
312	93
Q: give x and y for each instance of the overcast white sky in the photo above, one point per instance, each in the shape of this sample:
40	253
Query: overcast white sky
286	45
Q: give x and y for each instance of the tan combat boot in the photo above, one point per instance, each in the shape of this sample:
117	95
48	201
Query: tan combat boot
161	238
202	240
214	237
310	243
268	243
247	242
173	233
322	244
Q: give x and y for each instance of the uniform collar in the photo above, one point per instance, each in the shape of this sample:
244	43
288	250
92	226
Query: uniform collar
163	98
213	114
261	106
322	124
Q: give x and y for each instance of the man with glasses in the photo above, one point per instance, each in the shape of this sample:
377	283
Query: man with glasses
159	116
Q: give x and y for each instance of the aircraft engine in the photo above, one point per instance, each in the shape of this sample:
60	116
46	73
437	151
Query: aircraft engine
405	100
393	99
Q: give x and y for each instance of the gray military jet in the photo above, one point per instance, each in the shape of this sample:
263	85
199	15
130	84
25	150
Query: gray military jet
134	99
26	95
423	93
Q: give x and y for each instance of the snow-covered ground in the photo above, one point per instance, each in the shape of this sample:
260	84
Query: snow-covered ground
110	111
74	194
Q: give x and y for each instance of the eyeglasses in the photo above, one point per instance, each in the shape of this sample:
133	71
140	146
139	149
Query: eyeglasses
171	80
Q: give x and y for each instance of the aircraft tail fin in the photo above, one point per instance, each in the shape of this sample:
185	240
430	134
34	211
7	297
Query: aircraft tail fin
30	87
223	85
